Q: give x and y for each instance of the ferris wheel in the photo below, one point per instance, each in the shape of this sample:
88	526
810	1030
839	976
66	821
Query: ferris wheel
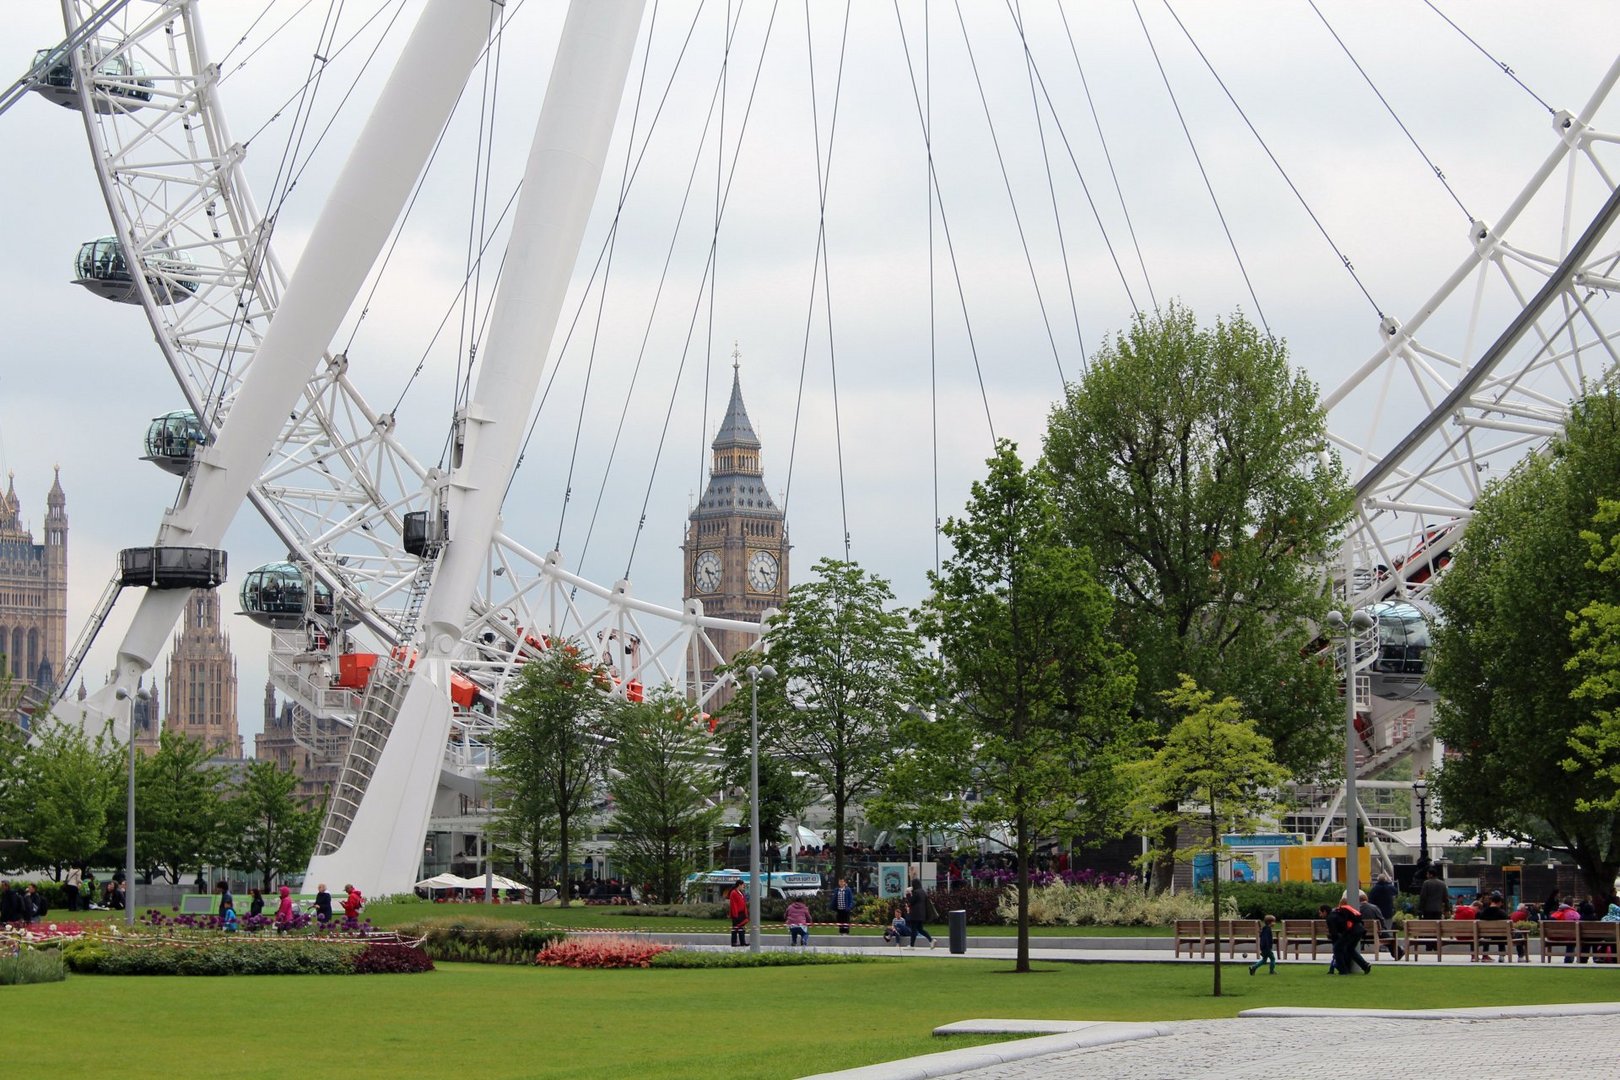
384	543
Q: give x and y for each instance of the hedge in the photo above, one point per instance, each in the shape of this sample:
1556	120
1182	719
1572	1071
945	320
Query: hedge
1284	899
237	956
477	940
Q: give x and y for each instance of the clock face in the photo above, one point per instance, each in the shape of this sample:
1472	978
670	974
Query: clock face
706	572
762	571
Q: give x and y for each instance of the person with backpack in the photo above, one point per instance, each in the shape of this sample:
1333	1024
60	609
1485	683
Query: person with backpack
1345	927
917	914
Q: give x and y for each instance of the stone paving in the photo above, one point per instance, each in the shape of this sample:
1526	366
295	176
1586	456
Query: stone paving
1273	1048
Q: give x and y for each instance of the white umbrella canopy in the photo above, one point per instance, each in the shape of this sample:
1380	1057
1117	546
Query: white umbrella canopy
444	881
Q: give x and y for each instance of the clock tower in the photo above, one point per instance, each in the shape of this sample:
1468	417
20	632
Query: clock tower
736	549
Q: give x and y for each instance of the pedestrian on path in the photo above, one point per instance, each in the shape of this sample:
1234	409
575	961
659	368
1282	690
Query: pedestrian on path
1373	918
1268	947
1346	924
843	905
917	915
798	923
737	905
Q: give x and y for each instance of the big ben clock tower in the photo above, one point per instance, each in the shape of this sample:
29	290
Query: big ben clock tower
736	549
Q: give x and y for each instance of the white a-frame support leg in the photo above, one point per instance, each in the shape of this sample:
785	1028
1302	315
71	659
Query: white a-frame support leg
383	846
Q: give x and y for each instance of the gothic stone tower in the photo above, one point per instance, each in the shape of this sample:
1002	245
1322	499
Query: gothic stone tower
202	678
736	549
33	591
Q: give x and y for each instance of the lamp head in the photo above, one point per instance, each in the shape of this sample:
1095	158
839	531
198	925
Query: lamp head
753	672
1420	788
1361	620
1335	619
768	671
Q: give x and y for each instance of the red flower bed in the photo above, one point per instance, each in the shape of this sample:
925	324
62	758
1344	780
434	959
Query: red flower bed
600	952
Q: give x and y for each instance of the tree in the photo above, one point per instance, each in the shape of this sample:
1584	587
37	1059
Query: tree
1596	638
1193	463
1035	710
550	753
179	809
847	665
266	829
1215	772
783	794
1502	653
70	782
662	781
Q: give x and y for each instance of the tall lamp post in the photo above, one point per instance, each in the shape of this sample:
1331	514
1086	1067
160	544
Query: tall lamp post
1420	789
129	809
1359	621
754	675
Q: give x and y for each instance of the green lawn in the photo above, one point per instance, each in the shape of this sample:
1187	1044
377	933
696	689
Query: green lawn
771	1022
600	917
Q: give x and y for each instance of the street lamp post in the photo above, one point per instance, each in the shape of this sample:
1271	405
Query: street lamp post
1420	789
754	675
1358	621
129	808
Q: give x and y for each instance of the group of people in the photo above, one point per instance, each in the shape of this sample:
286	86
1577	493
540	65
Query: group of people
353	903
21	906
910	915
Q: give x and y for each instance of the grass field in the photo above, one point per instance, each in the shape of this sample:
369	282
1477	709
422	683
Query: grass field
614	918
552	1023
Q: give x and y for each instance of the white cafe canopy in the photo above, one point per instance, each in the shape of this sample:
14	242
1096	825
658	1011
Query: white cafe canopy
444	881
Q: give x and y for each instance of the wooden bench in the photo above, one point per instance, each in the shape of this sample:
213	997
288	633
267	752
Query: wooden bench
1437	934
1298	934
1555	932
1200	934
1190	932
1498	932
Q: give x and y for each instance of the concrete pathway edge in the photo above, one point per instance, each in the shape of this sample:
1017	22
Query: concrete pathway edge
950	1062
1485	1012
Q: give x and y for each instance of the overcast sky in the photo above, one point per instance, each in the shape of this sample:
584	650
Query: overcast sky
80	377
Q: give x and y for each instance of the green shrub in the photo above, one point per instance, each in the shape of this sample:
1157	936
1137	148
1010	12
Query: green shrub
219	957
689	958
1108	905
83	954
480	939
391	958
1284	899
32	966
675	911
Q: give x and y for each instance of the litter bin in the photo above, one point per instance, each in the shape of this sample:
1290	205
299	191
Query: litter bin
958	925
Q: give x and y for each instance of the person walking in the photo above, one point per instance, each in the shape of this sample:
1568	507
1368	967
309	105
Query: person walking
1434	900
1267	946
917	913
353	904
284	911
227	902
737	906
1345	923
843	905
323	904
256	904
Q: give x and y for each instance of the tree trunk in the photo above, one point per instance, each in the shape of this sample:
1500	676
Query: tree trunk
839	806
1215	887
562	837
1021	838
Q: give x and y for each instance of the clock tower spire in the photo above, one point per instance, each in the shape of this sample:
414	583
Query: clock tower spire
736	549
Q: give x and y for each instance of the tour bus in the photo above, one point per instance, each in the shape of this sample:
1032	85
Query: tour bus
712	885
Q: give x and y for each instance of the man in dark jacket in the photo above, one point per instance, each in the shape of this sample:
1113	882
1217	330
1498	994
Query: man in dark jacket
1383	894
1373	919
1345	926
1434	900
917	907
10	904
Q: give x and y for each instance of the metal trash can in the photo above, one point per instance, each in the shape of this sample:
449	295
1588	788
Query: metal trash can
958	925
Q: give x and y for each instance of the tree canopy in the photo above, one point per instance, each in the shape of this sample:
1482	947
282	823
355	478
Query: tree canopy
1503	647
1193	463
266	829
179	809
848	664
665	788
1034	713
1214	772
550	754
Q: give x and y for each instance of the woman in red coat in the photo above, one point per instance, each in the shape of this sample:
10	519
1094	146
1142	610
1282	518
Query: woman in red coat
738	906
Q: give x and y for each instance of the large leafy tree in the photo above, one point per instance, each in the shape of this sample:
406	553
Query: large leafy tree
1193	463
266	829
1035	713
783	793
1214	772
847	663
69	784
663	783
1596	637
1502	650
179	809
550	753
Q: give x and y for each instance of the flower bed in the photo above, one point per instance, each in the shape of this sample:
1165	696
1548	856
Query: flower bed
153	919
480	940
600	952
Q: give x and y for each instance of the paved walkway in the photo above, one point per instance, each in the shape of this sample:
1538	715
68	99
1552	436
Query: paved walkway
1253	1048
